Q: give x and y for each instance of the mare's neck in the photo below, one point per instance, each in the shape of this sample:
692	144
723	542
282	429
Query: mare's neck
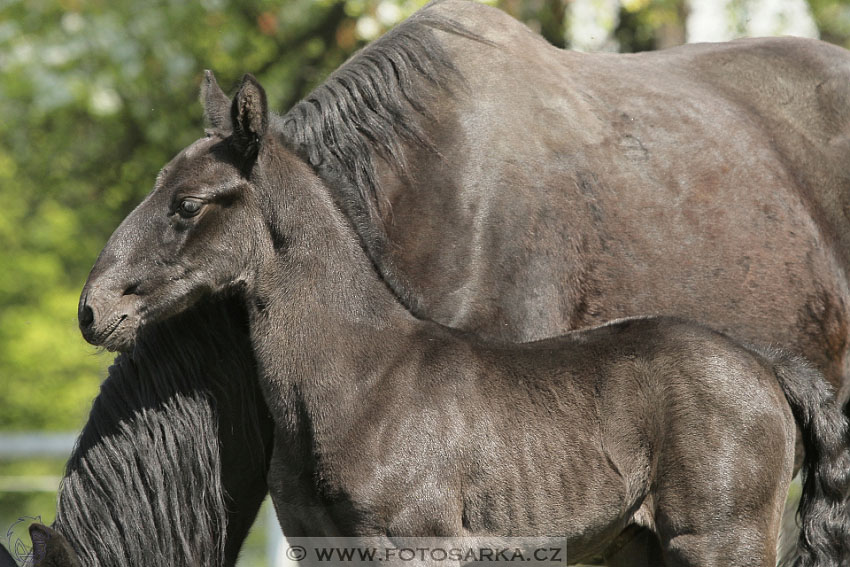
324	324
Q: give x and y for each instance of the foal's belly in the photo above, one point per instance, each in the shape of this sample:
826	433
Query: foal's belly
470	469
573	493
532	491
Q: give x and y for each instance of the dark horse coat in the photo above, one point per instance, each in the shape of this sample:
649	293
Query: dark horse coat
388	425
547	190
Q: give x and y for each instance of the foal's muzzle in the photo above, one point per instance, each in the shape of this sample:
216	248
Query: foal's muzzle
108	318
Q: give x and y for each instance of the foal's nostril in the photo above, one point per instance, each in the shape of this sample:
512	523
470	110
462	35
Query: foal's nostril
86	317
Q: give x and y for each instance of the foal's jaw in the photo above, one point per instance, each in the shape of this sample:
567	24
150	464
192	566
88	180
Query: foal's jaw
131	285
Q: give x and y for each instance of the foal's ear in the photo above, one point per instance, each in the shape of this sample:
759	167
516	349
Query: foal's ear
250	116
51	549
216	103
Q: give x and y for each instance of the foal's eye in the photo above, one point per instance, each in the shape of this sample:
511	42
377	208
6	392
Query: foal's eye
189	207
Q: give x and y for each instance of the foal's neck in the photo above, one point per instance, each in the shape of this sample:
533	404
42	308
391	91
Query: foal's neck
324	323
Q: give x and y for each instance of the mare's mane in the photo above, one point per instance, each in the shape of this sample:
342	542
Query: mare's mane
369	108
143	485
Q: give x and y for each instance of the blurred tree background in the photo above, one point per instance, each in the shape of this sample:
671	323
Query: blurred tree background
96	95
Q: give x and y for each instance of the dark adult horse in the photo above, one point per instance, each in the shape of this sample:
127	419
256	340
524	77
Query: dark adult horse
387	425
517	191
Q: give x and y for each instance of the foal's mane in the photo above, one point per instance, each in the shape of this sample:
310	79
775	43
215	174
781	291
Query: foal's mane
369	107
143	485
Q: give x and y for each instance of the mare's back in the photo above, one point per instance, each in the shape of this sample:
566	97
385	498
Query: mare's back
571	189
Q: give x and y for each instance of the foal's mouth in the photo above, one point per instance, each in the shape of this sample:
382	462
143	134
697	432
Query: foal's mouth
113	325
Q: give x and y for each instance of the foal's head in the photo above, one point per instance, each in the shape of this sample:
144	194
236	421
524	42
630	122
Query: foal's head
200	231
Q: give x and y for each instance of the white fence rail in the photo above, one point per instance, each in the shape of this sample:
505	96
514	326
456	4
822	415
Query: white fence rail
36	445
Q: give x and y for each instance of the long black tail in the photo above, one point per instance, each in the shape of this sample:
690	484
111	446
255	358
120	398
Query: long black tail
824	512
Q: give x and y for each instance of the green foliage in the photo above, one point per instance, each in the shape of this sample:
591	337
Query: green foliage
17	495
833	20
546	17
648	24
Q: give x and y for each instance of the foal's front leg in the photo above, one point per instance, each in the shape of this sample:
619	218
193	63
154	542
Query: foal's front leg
640	548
